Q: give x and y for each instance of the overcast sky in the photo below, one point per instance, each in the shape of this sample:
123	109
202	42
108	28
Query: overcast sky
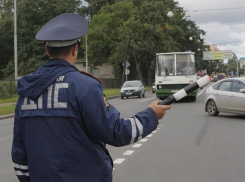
222	20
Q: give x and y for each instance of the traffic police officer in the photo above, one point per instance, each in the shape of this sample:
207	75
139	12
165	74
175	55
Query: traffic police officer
63	120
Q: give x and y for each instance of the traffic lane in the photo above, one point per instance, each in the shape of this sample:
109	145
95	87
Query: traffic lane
129	107
7	173
131	172
190	146
204	149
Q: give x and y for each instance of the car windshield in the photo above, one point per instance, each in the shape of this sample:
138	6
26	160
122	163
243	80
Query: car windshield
131	84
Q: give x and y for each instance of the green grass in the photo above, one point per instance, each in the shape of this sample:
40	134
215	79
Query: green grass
13	99
5	110
111	92
9	109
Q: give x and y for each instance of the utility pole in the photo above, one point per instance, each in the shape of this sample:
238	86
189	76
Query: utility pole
15	42
237	67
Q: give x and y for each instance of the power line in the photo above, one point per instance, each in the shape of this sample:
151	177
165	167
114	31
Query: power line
203	4
218	9
230	42
223	24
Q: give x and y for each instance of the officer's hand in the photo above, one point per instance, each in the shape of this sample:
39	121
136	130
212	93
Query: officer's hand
160	110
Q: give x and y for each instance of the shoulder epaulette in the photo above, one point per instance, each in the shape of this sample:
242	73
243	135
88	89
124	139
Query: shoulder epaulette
83	72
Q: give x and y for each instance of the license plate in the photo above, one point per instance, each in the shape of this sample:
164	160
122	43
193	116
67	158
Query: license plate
128	93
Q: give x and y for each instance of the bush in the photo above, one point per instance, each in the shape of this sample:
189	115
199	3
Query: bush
8	89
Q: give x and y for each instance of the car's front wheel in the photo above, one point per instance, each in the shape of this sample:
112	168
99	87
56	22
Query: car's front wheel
212	108
139	95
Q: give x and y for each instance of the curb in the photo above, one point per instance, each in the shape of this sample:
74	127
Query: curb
7	116
113	97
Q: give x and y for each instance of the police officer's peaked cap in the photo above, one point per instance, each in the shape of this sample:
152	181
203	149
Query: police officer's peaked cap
63	30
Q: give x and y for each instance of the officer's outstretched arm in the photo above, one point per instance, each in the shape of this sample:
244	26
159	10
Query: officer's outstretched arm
104	123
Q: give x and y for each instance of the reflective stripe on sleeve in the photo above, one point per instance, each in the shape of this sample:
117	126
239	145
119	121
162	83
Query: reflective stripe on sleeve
19	173
135	123
134	132
20	166
140	127
21	170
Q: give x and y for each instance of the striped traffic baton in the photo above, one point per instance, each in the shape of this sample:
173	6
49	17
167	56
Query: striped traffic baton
188	89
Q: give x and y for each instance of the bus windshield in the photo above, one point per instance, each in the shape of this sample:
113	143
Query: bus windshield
175	64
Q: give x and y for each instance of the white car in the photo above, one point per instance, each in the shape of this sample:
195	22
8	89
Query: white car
226	95
132	88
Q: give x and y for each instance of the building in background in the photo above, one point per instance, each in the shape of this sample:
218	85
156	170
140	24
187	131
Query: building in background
101	70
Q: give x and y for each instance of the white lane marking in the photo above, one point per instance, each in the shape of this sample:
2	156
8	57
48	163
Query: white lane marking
128	152
160	125
137	145
143	140
154	131
148	99
150	135
118	161
158	128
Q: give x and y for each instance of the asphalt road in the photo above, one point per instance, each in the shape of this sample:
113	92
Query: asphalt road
7	173
188	146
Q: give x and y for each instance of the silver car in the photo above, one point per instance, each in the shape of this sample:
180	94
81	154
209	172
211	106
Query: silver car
226	95
132	88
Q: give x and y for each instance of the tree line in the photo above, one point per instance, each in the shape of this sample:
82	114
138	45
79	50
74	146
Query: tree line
120	30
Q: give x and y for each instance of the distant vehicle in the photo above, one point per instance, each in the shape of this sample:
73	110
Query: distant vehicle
153	88
215	79
220	77
174	71
227	95
132	88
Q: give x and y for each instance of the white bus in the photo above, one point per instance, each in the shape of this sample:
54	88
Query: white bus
173	72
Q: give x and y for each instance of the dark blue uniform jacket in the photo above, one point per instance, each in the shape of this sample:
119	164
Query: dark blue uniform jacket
62	123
